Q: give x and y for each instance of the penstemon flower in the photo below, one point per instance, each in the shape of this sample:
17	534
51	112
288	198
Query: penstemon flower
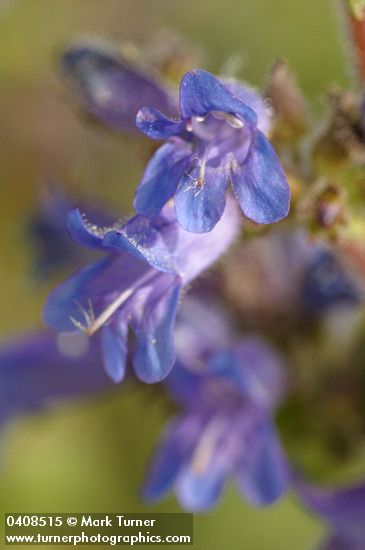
138	285
228	394
218	140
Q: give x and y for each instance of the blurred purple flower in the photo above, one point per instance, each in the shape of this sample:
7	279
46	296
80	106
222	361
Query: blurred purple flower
228	395
51	244
327	282
218	140
41	368
342	509
47	233
138	285
109	88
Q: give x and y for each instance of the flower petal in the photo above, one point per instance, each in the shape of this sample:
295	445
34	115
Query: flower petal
343	505
40	368
51	244
250	97
195	252
175	448
200	205
201	92
202	480
255	370
52	247
109	88
85	291
343	542
161	177
165	245
81	232
153	242
343	508
156	125
260	184
202	327
201	492
154	328
263	474
114	350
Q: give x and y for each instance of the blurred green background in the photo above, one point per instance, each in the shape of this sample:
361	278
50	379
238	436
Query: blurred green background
91	456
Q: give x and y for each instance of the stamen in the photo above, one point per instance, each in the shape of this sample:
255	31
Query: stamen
91	309
235	122
231	119
89	317
220	115
198	183
109	311
93	324
78	325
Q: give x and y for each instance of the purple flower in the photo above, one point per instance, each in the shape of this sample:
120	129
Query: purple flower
51	245
342	509
43	368
327	282
109	88
218	140
48	236
225	429
137	284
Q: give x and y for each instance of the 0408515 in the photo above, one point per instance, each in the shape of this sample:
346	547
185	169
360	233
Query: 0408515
33	520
